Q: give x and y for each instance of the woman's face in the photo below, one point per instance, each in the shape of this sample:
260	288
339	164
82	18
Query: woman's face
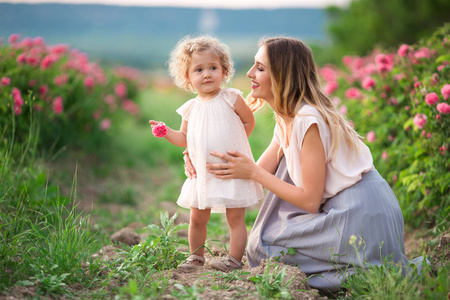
260	75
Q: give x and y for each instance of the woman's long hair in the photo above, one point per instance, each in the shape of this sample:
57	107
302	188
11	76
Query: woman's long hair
295	81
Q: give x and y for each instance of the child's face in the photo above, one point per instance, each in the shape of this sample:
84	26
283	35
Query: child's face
205	73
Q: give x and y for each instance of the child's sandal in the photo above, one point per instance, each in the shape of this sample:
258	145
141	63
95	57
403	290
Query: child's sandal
189	264
226	264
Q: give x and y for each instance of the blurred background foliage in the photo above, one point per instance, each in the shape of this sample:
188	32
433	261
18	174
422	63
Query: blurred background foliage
368	24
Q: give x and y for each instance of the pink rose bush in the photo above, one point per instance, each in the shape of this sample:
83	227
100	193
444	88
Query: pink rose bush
63	88
400	102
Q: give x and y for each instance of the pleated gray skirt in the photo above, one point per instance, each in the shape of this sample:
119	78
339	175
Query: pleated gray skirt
324	243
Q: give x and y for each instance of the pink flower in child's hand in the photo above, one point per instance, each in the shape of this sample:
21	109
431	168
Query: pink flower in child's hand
420	120
443	108
5	81
445	91
371	136
58	105
431	98
368	83
403	50
160	130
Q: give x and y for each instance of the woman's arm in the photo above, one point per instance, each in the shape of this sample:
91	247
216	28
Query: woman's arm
177	138
270	158
307	197
246	115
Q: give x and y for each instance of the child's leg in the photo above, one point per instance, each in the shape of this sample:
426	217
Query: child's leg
238	232
197	230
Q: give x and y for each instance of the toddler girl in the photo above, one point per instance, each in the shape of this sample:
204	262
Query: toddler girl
216	120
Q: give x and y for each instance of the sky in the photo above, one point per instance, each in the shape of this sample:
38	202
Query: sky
231	4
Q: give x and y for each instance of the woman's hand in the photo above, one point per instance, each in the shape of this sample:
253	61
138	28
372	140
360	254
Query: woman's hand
238	166
189	169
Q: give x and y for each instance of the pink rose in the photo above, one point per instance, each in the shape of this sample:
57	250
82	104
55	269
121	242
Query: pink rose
420	120
159	130
384	155
61	79
403	50
38	41
371	136
368	83
347	60
130	107
422	53
330	87
445	91
353	93
58	105
89	82
21	58
431	98
443	149
48	61
13	38
336	101
343	110
443	108
110	99
5	81
121	90
17	97
105	124
43	89
59	49
328	74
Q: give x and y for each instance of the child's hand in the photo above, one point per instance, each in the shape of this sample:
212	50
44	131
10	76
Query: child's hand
159	129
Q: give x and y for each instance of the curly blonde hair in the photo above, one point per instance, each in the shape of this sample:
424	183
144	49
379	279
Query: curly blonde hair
180	58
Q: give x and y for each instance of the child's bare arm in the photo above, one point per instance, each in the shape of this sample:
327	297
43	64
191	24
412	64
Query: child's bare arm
246	115
175	137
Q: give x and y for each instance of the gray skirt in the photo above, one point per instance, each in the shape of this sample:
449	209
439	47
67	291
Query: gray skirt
361	225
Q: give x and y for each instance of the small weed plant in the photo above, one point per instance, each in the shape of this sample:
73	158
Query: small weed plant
272	283
158	252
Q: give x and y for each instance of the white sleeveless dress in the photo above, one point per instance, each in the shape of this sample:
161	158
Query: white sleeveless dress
215	126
